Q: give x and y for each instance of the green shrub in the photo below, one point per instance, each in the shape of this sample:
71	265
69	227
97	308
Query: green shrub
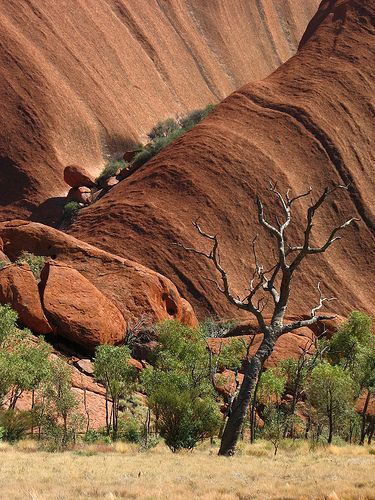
163	129
36	263
14	424
164	133
2	264
110	169
8	322
130	430
196	116
71	209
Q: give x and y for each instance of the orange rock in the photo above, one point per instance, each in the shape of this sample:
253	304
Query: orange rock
136	290
294	127
76	176
19	288
110	182
80	195
80	312
136	364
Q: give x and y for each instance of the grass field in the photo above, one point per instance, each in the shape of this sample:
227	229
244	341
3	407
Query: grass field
103	471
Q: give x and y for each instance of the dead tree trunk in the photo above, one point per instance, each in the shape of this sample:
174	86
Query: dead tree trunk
274	283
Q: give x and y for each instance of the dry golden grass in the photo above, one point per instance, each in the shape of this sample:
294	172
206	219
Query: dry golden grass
122	472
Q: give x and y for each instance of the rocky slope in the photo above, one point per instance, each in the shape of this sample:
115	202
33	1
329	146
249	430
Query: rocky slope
82	79
311	123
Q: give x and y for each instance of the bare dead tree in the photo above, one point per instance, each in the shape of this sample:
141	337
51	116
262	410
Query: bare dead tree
272	285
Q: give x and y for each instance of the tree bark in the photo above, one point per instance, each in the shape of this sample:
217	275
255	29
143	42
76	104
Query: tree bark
240	407
253	414
364	414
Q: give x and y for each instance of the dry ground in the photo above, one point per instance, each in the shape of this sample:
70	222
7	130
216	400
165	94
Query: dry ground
122	472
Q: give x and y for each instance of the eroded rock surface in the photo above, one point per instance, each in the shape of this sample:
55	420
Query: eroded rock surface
80	312
311	123
137	291
89	79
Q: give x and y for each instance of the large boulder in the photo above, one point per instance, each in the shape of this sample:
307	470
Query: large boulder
80	312
76	176
18	287
137	291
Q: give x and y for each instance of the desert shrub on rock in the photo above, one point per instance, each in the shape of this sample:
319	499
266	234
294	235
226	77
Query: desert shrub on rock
110	170
36	263
71	210
167	131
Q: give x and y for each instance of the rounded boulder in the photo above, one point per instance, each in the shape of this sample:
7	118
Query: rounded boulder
76	176
80	312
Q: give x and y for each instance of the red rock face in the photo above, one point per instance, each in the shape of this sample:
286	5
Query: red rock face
134	289
80	312
19	288
311	123
66	101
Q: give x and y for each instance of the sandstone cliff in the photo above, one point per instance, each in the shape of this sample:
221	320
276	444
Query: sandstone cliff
80	79
311	123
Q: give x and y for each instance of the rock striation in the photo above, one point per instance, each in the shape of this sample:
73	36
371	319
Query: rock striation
311	123
88	79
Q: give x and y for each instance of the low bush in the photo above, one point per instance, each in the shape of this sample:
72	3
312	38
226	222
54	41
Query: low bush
71	210
14	424
130	430
110	170
36	263
166	132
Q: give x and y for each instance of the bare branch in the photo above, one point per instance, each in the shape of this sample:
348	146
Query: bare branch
305	249
313	319
322	300
214	256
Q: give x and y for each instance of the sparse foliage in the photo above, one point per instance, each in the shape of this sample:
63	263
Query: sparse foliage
36	263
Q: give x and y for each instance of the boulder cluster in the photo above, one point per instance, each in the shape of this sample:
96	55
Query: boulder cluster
84	189
83	295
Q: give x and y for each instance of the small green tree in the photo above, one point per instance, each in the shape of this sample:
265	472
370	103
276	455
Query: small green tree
112	369
179	389
275	423
29	366
353	348
61	404
331	392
